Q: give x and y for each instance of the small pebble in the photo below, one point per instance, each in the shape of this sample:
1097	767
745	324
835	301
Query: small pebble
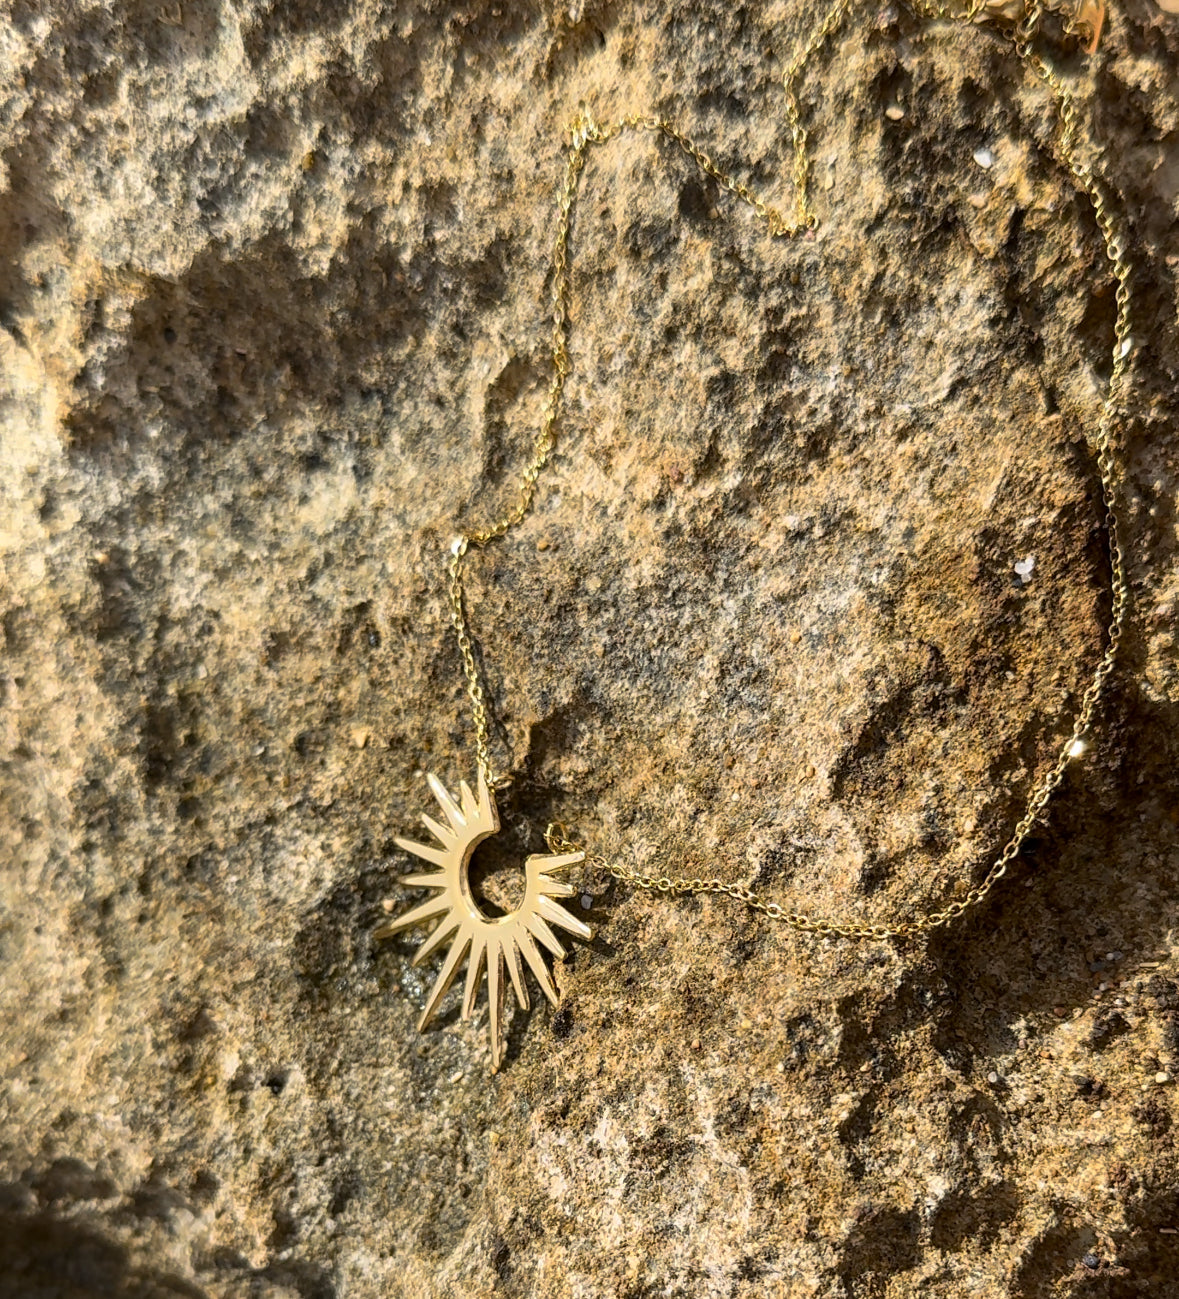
543	543
984	157
1162	1077
586	901
992	1077
894	112
1092	1262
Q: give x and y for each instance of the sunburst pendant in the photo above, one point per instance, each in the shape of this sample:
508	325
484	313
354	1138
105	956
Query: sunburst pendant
489	942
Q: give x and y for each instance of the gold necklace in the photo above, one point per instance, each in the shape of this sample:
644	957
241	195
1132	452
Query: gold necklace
493	943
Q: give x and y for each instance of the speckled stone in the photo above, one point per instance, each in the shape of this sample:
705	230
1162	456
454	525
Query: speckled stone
810	594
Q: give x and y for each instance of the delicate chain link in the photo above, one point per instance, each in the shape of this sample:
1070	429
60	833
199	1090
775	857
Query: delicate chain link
585	131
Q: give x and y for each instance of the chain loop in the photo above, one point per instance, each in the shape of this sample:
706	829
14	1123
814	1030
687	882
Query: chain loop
584	132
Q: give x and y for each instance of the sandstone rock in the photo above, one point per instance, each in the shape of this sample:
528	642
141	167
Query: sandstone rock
274	296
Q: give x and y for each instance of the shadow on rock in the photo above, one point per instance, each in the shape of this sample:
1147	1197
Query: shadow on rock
43	1257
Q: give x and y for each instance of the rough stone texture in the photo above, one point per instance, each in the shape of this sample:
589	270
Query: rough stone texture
274	294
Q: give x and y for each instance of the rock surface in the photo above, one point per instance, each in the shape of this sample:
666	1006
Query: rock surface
812	588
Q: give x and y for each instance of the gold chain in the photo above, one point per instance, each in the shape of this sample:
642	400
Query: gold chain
586	132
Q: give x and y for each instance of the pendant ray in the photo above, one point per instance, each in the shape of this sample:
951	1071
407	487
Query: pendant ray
559	916
445	978
427	911
495	998
536	964
425	880
539	926
474	974
473	805
554	888
559	861
426	851
516	970
453	812
444	832
487	813
437	938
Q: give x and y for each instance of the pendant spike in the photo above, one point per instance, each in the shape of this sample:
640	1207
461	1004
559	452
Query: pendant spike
437	938
425	880
442	832
427	852
474	975
558	861
426	911
445	978
454	815
495	1001
539	926
559	916
551	888
539	969
516	971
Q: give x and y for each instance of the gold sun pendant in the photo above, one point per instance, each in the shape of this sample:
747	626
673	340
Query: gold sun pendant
486	941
